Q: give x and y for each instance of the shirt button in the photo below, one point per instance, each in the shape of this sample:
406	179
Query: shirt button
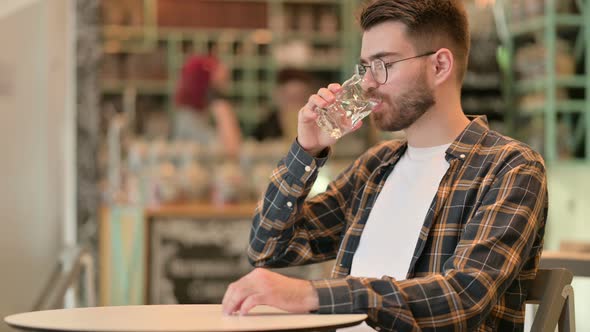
462	156
307	169
377	328
289	204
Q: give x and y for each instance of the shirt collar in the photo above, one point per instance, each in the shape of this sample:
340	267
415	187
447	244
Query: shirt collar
471	136
461	147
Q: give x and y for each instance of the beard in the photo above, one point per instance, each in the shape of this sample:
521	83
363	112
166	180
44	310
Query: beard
407	108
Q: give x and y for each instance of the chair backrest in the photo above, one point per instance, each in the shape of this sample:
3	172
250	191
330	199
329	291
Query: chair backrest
553	292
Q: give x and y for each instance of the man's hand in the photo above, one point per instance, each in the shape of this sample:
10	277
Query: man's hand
309	135
263	287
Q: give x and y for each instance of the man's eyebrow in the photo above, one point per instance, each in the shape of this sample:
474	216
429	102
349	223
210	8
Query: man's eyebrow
378	56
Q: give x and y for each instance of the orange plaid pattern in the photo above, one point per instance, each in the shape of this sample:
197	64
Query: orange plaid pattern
477	251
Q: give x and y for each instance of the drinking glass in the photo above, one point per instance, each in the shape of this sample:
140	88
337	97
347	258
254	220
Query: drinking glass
352	104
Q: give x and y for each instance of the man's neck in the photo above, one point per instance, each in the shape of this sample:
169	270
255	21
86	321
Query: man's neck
439	125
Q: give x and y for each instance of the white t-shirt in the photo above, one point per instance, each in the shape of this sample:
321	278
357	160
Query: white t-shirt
389	238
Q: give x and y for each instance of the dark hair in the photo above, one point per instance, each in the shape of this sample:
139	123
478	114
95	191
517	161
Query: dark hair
430	24
293	74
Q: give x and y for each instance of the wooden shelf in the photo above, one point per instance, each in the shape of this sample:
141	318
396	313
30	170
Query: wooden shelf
537	85
202	210
538	24
248	52
152	87
562	106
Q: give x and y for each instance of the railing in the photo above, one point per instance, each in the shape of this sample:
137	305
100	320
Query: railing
74	264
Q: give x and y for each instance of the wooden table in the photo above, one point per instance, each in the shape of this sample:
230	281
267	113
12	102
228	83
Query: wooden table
577	262
176	318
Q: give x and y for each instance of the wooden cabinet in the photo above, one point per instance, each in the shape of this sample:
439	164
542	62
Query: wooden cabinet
178	253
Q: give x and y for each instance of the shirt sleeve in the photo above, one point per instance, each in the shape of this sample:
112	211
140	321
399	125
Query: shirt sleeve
288	229
495	244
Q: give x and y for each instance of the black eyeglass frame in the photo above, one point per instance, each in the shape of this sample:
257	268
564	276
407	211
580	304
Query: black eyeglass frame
362	69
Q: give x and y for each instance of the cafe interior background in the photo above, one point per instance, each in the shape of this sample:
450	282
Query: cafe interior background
100	204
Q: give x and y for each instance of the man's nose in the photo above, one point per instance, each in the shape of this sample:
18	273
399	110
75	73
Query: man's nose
368	83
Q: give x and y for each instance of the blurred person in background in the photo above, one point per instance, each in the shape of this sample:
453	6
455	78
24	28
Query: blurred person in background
203	114
293	88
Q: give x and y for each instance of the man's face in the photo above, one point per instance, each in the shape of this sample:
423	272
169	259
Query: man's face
407	94
292	94
220	78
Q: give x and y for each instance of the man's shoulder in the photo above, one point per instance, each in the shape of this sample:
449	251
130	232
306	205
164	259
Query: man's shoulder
507	150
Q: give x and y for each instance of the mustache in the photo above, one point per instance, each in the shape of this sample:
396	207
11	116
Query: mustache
377	96
374	95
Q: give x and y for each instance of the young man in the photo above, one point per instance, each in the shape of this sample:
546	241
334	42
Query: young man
442	231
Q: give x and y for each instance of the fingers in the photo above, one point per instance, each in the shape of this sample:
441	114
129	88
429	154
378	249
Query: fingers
227	304
317	101
323	98
307	113
334	87
250	302
235	294
327	95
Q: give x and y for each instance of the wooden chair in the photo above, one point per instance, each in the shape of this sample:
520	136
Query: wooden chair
553	292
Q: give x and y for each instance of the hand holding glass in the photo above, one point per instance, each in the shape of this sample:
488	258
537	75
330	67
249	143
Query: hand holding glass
352	104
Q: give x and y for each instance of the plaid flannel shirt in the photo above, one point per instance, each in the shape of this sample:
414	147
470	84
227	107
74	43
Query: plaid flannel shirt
477	251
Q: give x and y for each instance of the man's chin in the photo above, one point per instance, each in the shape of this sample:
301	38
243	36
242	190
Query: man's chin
387	124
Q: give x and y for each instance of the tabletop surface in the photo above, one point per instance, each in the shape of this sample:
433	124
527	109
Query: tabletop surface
577	262
176	318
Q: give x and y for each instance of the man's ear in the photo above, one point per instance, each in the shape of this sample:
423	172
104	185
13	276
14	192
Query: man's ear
443	64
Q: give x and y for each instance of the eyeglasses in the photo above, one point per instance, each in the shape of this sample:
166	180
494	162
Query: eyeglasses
379	68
